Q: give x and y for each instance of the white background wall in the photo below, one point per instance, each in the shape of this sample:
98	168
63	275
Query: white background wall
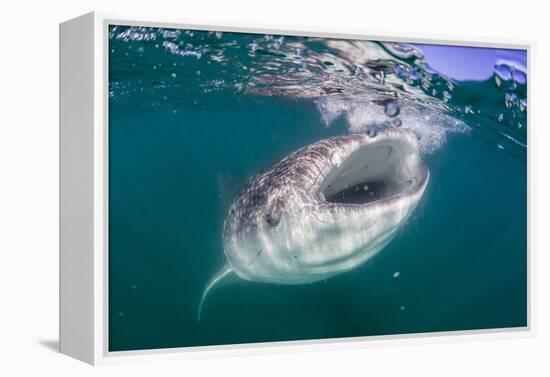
29	184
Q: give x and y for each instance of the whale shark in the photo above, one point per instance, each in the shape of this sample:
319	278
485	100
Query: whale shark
322	210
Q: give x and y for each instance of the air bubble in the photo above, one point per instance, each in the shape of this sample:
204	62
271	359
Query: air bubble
504	76
403	50
372	132
523	104
510	99
396	122
519	77
503	71
391	108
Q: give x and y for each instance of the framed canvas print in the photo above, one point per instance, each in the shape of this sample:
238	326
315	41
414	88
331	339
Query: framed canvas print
225	188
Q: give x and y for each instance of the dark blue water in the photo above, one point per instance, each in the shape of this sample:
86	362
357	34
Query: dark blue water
189	124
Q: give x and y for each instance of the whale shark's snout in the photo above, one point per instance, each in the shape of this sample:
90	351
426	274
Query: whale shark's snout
324	209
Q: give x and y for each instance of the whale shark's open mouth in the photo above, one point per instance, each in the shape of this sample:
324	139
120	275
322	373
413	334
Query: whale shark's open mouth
378	170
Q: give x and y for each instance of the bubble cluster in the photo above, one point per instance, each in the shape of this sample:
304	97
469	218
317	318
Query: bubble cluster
391	108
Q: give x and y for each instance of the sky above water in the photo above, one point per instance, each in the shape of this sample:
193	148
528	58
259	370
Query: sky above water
469	63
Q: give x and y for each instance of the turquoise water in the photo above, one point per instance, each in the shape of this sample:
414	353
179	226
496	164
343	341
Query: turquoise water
194	115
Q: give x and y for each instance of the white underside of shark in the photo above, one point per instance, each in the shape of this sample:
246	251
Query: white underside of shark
322	210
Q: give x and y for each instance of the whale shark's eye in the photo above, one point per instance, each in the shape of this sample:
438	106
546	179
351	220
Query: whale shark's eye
272	219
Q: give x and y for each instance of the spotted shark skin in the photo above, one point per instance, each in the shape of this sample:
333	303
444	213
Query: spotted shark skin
281	229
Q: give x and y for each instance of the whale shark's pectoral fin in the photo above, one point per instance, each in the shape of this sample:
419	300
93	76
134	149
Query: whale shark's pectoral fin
224	274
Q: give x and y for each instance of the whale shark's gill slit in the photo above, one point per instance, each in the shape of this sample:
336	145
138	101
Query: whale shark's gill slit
255	257
318	219
321	173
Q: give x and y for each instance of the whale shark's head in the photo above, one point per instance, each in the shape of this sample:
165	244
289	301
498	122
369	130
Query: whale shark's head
325	208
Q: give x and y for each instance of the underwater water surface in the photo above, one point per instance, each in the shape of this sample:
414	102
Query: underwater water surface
193	115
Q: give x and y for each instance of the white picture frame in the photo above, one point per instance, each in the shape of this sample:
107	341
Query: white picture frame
84	192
